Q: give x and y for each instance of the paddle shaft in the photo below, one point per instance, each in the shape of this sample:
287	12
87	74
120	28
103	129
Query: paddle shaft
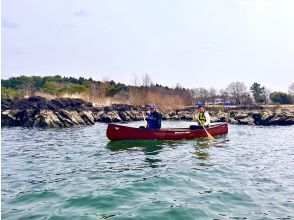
145	122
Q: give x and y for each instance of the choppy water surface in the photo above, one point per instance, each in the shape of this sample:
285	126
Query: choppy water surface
77	173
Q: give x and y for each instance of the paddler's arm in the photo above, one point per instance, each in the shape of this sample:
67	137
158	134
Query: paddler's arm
207	116
195	118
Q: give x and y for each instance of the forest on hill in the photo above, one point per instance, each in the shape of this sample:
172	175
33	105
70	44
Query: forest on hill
142	91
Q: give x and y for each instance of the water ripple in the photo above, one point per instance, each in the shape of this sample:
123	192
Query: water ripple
76	173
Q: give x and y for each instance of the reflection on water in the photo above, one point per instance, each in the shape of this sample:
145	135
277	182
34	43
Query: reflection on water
219	141
148	146
202	155
151	148
202	147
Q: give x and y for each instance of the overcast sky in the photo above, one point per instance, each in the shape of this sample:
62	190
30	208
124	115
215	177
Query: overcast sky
197	43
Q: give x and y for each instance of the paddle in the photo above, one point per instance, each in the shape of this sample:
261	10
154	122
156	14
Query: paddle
209	136
145	122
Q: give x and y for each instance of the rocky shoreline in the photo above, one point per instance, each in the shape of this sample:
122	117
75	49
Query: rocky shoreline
65	112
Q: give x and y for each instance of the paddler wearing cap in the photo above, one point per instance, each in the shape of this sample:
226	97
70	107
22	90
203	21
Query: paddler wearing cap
202	118
154	118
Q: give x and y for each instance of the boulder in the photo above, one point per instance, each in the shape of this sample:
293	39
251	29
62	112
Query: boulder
108	109
185	115
28	117
240	115
106	118
232	121
223	117
66	122
47	118
115	117
124	116
72	116
266	116
87	116
172	114
282	118
165	116
9	118
175	117
246	121
135	115
213	119
97	115
256	116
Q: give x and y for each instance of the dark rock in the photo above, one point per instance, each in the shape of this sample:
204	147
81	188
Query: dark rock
246	121
282	118
66	112
38	111
97	115
241	115
256	116
88	117
124	116
9	118
47	119
173	113
165	117
28	116
37	99
108	109
125	107
106	118
266	117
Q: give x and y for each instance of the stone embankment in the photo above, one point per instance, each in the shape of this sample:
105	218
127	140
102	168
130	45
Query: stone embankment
65	112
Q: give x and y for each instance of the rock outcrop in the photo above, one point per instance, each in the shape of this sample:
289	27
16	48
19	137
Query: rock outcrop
40	112
65	112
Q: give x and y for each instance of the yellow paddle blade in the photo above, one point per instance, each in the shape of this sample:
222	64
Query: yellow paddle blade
209	136
145	123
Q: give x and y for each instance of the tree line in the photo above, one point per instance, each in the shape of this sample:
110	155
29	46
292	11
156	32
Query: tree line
141	91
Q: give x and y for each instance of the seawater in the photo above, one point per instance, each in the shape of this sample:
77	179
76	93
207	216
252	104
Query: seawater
77	173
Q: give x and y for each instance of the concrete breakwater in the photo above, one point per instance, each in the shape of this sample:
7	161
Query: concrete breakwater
65	112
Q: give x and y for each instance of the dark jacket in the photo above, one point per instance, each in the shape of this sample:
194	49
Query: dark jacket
154	120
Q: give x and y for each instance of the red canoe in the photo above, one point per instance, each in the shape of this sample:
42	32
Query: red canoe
120	132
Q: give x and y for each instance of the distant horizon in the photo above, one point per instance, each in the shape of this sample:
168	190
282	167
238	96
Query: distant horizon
131	83
193	42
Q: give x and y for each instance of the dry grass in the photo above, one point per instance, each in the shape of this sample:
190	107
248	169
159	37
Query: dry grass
279	107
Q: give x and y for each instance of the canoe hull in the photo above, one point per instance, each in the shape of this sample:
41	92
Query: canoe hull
116	132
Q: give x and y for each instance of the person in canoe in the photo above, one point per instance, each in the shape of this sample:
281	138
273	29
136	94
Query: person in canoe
202	118
153	119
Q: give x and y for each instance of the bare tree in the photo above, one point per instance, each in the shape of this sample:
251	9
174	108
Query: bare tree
105	78
136	80
200	94
267	93
178	86
291	92
291	89
236	90
146	80
224	95
212	94
135	93
246	98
